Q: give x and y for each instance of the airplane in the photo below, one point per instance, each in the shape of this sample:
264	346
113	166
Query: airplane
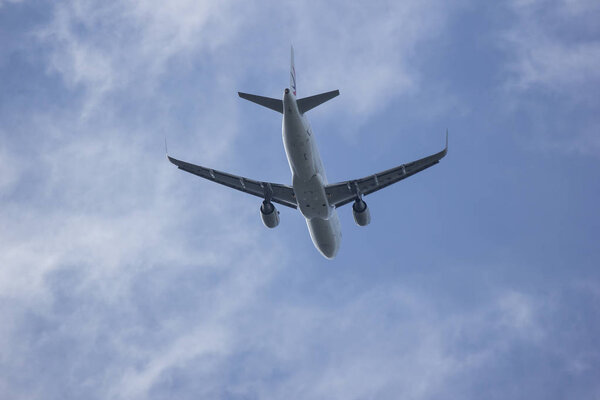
310	191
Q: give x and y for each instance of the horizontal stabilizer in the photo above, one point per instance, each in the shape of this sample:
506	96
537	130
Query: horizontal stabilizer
308	103
273	104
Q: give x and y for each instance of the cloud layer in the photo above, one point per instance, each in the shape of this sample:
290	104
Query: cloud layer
124	278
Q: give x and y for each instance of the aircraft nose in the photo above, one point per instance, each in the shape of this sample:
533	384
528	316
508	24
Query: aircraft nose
328	251
287	90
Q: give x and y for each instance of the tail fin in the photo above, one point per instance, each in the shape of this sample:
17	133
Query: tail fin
292	73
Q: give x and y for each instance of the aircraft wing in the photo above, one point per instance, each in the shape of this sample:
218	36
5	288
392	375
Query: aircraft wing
280	194
342	193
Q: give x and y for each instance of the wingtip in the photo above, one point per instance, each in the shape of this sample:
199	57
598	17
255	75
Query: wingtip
446	138
169	158
172	160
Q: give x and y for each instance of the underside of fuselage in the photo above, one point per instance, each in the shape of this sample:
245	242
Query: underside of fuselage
326	234
309	179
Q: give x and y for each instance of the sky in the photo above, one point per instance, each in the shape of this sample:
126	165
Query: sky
122	277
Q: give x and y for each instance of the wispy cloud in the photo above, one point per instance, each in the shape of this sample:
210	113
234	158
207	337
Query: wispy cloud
133	43
105	47
554	50
545	55
97	208
373	74
122	277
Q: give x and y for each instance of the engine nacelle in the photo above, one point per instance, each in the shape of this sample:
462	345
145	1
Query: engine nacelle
269	214
361	213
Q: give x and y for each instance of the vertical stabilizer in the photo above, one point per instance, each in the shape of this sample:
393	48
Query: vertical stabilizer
292	73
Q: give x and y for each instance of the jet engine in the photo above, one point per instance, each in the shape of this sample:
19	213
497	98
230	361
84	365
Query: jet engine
269	214
362	217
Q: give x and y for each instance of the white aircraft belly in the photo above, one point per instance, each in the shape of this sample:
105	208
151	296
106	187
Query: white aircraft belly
298	147
308	182
311	197
325	234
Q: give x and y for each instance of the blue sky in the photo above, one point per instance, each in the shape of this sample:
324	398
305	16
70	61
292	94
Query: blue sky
124	278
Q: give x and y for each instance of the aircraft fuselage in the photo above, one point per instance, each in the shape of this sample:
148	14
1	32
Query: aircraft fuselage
309	179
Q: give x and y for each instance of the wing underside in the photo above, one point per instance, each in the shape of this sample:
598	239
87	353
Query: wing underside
342	193
278	193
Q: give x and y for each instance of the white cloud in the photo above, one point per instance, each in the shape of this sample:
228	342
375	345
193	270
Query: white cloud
97	208
122	278
389	342
556	66
367	50
104	217
518	314
554	52
109	46
545	55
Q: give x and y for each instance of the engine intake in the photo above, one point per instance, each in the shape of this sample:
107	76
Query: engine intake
361	213
269	214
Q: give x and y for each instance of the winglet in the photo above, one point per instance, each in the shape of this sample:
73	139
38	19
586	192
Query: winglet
446	138
445	150
169	158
